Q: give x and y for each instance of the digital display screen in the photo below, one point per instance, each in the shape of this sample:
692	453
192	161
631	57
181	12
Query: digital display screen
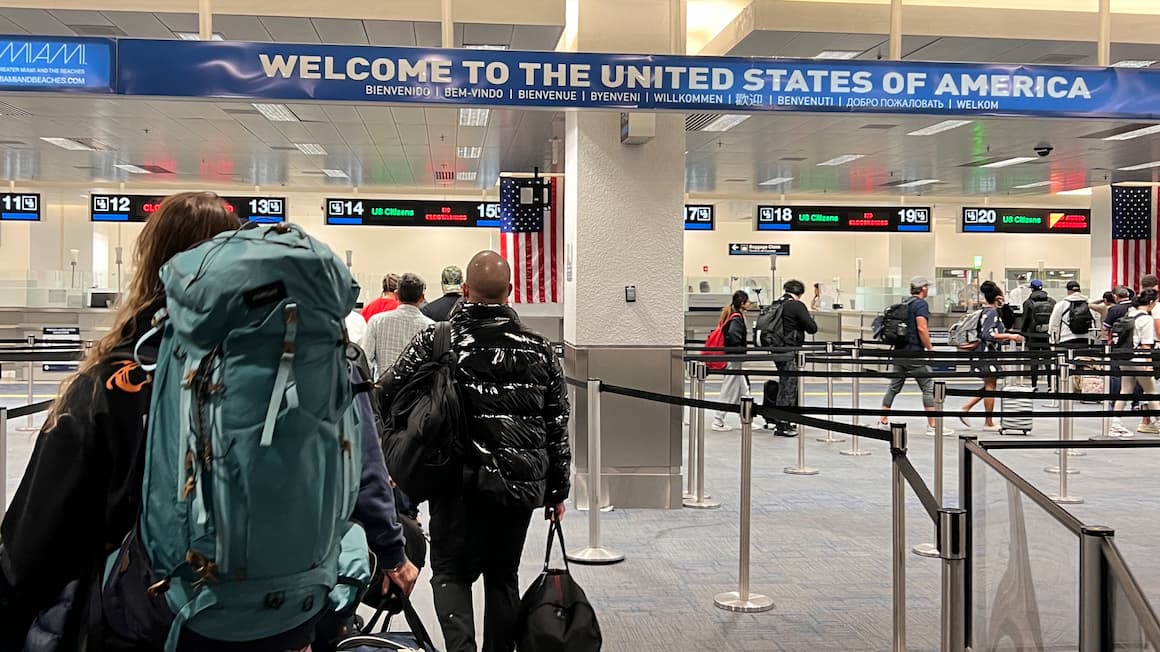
1068	221
700	217
138	208
851	219
20	206
411	212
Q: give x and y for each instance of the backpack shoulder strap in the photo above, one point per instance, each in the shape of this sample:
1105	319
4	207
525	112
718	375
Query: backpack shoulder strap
441	345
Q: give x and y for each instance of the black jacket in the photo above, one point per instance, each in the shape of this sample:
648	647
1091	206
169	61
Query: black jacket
441	308
796	319
736	331
515	400
1027	327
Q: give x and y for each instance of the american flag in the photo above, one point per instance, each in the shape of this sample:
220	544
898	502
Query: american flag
531	238
1134	250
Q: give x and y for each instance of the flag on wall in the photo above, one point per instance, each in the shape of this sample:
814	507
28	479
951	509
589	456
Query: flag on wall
531	239
1134	250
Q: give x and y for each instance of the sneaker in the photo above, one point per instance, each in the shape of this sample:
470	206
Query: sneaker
1127	434
947	432
881	425
1117	430
1148	428
720	426
785	433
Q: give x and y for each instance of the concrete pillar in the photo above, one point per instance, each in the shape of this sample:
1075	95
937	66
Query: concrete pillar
625	228
1100	243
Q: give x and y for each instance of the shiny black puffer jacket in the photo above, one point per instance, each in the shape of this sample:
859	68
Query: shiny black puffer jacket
516	403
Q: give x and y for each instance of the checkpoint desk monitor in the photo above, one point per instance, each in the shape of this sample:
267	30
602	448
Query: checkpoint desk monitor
845	219
365	211
121	207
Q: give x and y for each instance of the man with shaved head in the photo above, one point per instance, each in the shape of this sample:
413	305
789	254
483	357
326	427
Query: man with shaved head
516	455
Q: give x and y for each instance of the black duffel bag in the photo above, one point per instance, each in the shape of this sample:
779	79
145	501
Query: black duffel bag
554	612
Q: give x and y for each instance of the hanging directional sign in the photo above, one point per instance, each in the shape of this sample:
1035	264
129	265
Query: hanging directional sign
758	249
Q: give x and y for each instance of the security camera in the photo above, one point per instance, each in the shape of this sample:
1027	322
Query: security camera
1044	149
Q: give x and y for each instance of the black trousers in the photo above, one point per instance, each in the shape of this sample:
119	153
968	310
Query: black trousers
471	538
1036	344
787	389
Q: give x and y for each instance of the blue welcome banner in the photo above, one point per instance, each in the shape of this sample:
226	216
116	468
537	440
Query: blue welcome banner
288	72
46	63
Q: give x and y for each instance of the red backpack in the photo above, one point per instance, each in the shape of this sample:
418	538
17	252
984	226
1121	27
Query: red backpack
716	340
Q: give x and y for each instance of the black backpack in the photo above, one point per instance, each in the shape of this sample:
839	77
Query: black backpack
1124	332
893	325
1079	317
426	423
554	612
770	325
1041	314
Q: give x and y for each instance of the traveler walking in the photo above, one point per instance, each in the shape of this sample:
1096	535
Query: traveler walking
452	282
1136	331
733	387
1123	303
786	323
992	334
1037	311
512	388
918	339
387	302
388	333
1072	319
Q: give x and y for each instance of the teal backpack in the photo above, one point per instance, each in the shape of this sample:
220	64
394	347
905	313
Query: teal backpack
253	455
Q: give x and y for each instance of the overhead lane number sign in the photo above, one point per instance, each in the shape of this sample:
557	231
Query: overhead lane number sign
1050	221
284	71
364	211
138	208
20	206
851	219
700	217
758	249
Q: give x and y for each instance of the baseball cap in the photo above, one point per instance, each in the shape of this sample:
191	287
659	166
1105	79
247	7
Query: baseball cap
452	279
1037	284
919	281
1073	286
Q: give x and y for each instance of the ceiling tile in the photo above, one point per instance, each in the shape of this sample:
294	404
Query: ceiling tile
340	31
139	24
390	32
241	28
485	34
341	113
536	37
36	21
407	115
286	29
179	22
77	17
428	35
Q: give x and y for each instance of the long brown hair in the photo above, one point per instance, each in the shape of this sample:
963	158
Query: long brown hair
181	222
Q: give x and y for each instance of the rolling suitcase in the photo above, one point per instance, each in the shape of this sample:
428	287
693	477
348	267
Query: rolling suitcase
1017	424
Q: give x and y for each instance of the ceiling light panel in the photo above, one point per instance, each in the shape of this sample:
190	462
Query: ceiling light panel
776	181
1141	166
335	174
276	112
841	160
919	183
311	149
726	122
132	169
68	143
1133	63
1037	184
473	117
1076	191
1136	133
939	127
194	36
466	176
469	152
836	54
1009	162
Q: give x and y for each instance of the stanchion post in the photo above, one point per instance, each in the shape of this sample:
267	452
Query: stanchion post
855	449
1059	381
28	427
966	503
940	398
694	413
1069	426
898	536
1105	422
1064	428
1096	613
700	499
801	468
952	531
742	600
3	461
830	438
594	553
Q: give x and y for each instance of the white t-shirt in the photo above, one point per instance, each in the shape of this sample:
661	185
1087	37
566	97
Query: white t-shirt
1145	331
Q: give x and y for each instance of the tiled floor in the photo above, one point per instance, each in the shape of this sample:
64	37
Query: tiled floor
821	544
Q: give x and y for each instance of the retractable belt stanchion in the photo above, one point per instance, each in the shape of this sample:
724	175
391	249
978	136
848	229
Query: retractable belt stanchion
700	499
1071	366
28	427
952	531
830	438
1052	402
898	538
1064	426
855	400
1064	497
3	461
801	468
691	465
594	553
1106	421
940	399
742	600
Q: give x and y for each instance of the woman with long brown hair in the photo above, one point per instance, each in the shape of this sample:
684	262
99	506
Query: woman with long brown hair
81	492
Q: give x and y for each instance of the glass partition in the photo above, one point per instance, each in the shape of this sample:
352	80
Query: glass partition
1025	584
1134	624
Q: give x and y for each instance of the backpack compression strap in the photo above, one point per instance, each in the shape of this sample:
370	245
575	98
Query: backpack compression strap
282	379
